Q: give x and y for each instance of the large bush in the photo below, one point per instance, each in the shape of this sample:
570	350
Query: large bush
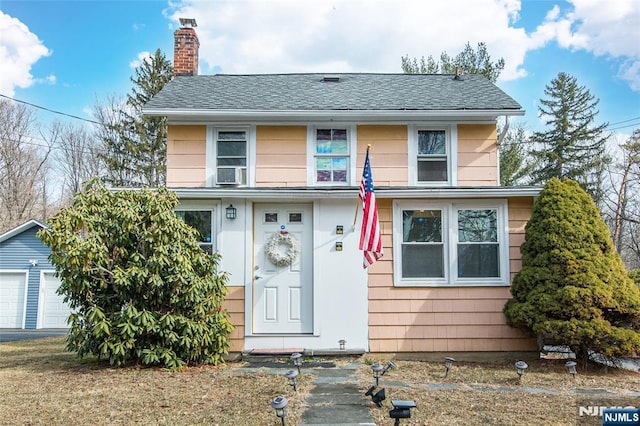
140	287
573	288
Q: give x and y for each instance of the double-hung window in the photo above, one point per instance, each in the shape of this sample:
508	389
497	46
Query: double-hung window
432	154
456	243
202	222
331	155
231	157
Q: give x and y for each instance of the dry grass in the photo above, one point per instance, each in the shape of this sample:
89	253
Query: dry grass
41	383
504	400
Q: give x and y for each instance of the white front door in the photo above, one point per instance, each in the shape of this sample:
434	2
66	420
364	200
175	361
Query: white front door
54	312
283	295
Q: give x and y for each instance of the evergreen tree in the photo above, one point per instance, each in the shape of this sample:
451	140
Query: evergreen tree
515	169
573	146
140	287
468	61
573	288
136	147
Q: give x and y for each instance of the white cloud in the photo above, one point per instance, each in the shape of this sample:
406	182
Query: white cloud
19	50
142	57
50	79
348	35
603	28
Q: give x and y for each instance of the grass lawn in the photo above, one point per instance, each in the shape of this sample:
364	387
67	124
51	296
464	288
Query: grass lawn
41	383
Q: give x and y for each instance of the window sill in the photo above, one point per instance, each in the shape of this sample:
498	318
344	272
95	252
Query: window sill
457	284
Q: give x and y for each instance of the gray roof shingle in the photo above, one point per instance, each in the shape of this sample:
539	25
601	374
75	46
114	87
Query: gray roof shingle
353	92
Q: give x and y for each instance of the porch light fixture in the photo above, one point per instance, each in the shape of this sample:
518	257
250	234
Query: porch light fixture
297	360
279	404
401	410
292	376
342	342
571	368
448	363
231	212
521	367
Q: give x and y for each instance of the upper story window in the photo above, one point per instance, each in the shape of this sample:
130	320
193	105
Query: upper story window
331	155
202	222
464	243
231	157
432	155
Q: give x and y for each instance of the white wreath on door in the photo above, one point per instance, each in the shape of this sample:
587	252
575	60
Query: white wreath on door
282	249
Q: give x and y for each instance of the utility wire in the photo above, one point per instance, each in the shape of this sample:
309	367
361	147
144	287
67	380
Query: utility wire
51	110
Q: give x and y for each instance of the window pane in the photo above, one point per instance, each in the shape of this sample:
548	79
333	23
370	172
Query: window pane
200	220
323	134
477	226
432	171
339	163
432	142
339	134
232	162
339	147
422	261
323	163
323	147
323	175
232	149
422	225
478	261
340	176
236	136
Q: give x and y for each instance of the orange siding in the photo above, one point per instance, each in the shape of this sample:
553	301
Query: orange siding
234	304
186	147
281	156
520	210
441	319
388	153
477	155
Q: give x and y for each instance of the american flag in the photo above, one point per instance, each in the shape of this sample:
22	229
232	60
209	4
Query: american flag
370	242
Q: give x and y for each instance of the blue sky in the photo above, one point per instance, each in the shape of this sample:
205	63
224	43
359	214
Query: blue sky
65	55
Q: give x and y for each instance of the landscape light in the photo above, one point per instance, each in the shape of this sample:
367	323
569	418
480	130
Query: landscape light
448	363
292	375
378	371
279	404
342	342
571	367
521	366
377	397
297	360
401	410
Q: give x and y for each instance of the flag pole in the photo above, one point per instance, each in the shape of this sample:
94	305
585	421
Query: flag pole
355	218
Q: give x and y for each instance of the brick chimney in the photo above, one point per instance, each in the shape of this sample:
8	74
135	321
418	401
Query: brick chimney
185	48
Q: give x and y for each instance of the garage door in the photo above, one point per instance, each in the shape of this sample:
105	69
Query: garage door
54	312
12	294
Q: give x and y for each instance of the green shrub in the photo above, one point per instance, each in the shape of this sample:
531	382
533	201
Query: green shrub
573	288
140	287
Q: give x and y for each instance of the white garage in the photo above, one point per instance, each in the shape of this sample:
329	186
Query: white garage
13	292
52	310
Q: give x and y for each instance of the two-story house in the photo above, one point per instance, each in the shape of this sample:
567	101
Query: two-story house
253	155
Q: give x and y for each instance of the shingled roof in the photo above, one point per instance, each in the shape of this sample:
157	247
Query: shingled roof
321	92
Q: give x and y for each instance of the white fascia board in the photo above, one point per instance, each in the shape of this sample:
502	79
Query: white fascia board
352	192
21	228
182	116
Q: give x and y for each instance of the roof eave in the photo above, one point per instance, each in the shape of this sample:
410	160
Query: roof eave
352	192
176	116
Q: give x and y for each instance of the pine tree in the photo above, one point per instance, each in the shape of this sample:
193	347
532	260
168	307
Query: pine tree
136	146
573	288
573	146
468	61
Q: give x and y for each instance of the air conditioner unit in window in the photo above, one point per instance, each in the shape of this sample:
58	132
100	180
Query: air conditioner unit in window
231	175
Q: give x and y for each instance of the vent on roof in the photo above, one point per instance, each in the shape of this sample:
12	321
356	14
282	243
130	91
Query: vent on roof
331	79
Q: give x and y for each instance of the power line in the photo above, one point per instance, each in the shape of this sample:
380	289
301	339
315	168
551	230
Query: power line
51	110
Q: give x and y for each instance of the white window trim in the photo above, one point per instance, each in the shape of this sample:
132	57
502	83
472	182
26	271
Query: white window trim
451	134
311	153
211	153
450	237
